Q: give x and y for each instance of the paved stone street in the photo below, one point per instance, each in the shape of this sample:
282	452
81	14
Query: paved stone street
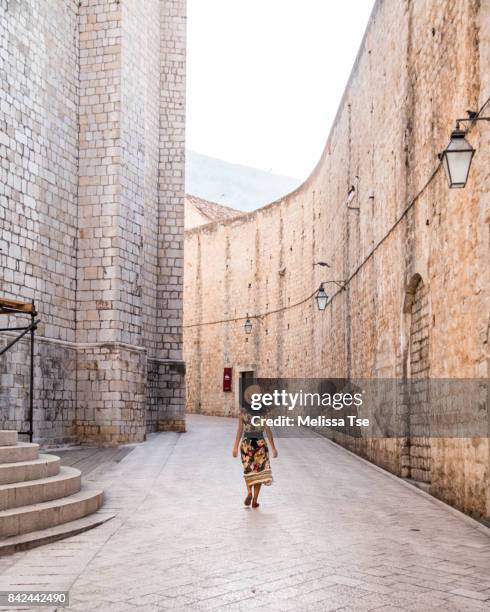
332	533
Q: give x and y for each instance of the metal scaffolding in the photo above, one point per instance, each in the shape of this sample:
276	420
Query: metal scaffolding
12	307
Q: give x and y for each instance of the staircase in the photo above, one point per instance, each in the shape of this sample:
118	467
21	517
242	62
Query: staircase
41	501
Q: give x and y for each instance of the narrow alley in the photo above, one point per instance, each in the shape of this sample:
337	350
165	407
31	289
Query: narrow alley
332	533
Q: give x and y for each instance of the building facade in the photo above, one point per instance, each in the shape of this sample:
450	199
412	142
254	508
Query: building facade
92	126
377	208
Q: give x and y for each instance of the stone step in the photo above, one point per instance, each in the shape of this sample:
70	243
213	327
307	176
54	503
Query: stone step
8	437
43	467
22	451
16	521
53	534
65	483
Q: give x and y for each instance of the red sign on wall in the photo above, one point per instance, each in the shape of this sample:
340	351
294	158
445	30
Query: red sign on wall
227	379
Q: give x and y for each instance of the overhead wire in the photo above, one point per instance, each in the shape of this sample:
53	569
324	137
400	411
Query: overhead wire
371	253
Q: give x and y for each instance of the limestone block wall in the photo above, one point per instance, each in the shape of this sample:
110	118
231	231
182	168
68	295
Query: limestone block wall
168	369
395	117
91	226
39	77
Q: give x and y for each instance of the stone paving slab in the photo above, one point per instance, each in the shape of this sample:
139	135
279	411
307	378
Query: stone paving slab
332	533
90	460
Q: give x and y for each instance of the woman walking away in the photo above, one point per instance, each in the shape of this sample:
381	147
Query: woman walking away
254	452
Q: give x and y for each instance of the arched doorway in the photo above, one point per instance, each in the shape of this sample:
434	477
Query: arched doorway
418	368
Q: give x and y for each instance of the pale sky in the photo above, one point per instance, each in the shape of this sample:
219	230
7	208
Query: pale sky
265	77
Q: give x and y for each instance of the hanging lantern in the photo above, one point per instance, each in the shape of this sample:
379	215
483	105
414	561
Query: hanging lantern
321	298
248	326
456	159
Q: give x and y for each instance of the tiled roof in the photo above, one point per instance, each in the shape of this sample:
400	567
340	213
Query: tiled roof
212	210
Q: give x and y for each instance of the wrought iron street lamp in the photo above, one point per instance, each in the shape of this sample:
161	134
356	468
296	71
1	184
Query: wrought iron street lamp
321	298
248	326
456	159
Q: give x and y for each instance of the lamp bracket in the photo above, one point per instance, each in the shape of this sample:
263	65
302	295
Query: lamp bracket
340	283
259	318
471	119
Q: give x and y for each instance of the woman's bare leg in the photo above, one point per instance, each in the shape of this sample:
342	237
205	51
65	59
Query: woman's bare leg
248	499
255	503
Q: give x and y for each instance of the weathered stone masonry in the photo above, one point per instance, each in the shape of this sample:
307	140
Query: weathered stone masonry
91	212
419	305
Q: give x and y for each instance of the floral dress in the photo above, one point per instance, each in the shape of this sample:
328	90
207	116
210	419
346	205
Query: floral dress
255	453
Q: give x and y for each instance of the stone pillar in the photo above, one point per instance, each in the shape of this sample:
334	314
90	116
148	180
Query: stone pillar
131	199
112	362
167	391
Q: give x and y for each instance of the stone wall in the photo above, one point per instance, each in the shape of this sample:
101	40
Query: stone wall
91	210
39	75
170	286
395	117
